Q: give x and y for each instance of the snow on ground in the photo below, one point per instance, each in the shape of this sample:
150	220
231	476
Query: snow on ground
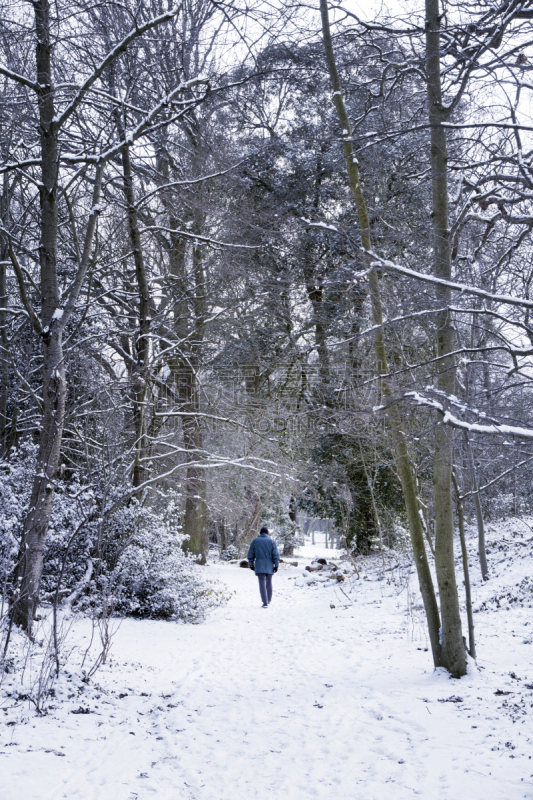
300	700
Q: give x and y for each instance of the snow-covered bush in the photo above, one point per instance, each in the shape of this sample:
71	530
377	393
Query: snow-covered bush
15	487
521	595
504	505
133	563
230	553
145	572
71	538
73	503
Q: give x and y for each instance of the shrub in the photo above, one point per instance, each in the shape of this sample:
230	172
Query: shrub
140	568
146	574
230	553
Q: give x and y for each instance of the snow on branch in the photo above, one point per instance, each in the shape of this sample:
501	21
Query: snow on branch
523	351
472	427
112	55
498	477
196	237
133	135
189	182
14	76
322	225
242	463
382	263
403	318
19	274
370	26
12	165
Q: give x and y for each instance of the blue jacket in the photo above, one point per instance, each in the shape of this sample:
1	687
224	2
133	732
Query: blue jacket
263	554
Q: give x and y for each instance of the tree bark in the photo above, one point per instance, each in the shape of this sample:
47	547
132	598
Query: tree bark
453	656
401	454
482	551
314	285
142	344
466	571
195	517
189	330
4	342
30	563
195	520
288	546
51	326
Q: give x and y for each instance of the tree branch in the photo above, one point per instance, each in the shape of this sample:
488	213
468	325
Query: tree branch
34	319
14	76
112	55
456	287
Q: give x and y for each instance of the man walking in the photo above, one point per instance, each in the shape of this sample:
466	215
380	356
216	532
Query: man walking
263	557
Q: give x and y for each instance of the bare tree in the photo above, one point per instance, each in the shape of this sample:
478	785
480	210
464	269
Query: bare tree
57	115
400	443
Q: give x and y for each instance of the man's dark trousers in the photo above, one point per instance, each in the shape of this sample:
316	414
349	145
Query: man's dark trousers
265	587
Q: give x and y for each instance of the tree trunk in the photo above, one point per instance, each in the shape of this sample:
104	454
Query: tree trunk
189	329
251	530
401	455
288	546
51	326
142	345
313	284
453	656
482	551
4	342
195	522
30	564
195	518
466	571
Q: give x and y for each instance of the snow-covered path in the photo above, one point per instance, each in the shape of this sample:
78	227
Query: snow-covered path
299	700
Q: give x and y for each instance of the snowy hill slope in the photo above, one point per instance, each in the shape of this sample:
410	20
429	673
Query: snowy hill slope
300	700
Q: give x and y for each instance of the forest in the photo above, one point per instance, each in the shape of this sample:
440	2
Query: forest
261	264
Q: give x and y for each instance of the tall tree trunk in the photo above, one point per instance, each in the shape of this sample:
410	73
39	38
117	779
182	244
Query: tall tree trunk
288	546
50	326
477	341
314	284
466	570
401	454
189	305
142	344
4	342
30	564
315	294
195	519
453	656
51	323
482	551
